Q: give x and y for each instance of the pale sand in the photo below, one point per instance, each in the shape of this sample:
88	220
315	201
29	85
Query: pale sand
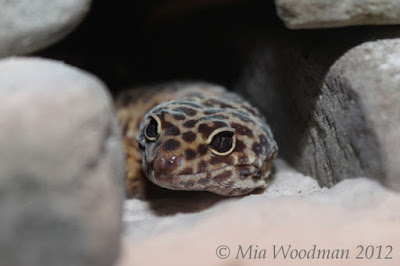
294	210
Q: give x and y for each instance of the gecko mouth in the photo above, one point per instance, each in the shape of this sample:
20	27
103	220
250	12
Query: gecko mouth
203	180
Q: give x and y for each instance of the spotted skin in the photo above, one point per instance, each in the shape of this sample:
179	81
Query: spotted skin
206	139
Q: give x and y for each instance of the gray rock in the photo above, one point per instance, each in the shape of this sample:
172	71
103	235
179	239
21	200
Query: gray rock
327	13
365	83
28	26
62	163
323	126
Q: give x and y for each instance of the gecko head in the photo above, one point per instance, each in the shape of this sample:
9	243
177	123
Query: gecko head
205	144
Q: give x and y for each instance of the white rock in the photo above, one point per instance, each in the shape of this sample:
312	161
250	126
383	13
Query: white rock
62	165
27	26
327	13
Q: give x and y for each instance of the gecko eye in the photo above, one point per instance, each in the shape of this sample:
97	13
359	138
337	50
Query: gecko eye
151	130
223	143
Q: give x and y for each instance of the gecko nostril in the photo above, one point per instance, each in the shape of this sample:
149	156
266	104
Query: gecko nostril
167	165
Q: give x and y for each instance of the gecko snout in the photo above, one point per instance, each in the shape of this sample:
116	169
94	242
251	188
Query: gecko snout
163	164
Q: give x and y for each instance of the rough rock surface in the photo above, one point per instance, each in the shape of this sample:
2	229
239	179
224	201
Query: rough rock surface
364	83
28	26
326	13
347	123
321	123
292	211
61	171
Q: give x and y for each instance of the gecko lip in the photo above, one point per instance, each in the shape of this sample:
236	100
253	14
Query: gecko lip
171	180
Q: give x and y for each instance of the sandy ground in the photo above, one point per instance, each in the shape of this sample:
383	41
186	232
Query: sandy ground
293	222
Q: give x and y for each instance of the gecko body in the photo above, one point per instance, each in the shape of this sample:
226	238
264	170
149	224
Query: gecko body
194	136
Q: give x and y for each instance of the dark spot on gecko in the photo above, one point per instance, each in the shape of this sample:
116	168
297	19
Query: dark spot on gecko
188	111
190	154
242	130
202	167
257	177
221	159
244	171
171	145
204	181
263	140
215	160
257	148
187	171
222	177
225	105
209	103
179	117
189	136
229	160
218	124
230	184
170	129
240	146
244	159
243	117
202	149
212	111
205	130
190	123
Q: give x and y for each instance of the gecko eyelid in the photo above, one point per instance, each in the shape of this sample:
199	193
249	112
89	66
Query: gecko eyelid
151	131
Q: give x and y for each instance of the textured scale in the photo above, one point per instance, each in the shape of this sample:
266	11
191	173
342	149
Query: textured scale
194	136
